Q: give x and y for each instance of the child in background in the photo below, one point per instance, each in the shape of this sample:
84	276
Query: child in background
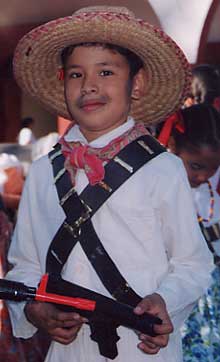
26	135
193	134
205	86
109	72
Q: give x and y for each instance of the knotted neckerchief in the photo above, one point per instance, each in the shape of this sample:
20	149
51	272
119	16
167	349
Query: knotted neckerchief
79	156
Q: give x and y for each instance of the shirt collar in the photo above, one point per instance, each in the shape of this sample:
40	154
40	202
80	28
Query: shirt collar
76	135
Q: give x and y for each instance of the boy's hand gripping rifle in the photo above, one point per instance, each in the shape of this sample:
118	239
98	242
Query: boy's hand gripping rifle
104	314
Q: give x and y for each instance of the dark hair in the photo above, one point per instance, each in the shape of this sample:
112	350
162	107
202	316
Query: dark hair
27	122
207	83
201	124
134	62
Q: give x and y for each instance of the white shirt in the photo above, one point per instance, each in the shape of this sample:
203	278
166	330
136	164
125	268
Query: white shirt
148	227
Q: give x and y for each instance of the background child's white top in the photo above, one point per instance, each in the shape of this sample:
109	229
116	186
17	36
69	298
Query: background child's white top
201	196
26	136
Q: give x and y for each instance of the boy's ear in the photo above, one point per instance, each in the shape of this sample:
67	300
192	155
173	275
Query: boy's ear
139	84
172	145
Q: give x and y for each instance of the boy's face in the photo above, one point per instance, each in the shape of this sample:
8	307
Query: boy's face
98	90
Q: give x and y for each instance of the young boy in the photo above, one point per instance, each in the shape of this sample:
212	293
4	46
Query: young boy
115	73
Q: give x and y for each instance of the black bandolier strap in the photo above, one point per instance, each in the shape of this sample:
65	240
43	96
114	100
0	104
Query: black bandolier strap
79	209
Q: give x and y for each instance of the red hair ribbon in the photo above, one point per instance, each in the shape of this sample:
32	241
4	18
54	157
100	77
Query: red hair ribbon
60	74
175	120
216	103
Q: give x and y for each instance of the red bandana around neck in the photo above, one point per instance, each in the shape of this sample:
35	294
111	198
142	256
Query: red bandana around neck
79	156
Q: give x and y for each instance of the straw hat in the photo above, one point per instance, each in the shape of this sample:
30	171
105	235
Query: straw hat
37	59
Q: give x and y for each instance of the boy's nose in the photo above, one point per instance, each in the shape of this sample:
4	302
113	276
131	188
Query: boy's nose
89	86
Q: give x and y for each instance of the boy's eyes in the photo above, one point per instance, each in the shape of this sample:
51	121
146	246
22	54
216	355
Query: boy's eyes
75	75
106	73
103	73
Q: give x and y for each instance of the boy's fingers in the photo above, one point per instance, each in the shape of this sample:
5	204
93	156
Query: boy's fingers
155	305
71	323
158	341
142	307
48	317
148	349
164	328
64	336
62	316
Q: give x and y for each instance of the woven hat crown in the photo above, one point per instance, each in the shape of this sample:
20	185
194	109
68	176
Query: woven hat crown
106	9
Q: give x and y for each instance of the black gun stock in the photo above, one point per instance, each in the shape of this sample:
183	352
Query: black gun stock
104	314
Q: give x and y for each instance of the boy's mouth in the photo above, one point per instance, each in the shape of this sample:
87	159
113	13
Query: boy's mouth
91	105
88	105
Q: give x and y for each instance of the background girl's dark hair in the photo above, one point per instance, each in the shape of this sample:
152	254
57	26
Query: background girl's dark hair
207	79
135	63
201	128
27	122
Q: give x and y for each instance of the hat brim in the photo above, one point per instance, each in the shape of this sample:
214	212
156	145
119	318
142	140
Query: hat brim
37	60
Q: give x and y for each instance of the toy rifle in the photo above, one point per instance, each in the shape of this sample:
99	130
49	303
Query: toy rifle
104	314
